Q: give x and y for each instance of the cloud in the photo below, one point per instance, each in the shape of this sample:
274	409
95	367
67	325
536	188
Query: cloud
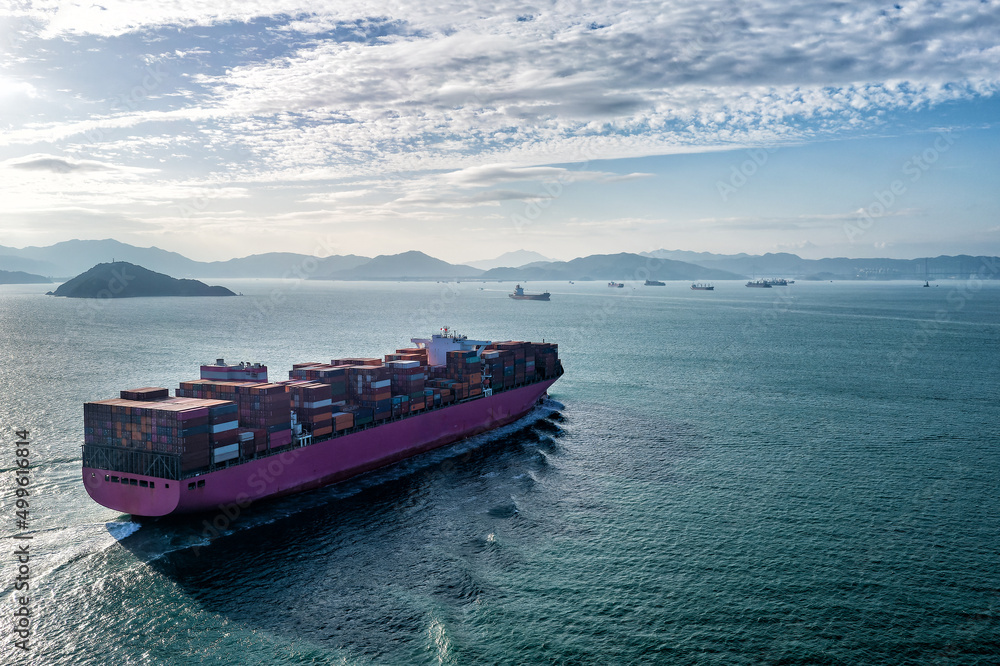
492	174
449	104
55	164
450	85
454	200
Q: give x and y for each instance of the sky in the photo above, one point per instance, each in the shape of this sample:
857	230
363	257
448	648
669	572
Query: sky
464	130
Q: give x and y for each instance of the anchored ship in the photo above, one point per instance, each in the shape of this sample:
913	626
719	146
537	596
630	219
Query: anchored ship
233	438
654	283
702	286
763	284
521	296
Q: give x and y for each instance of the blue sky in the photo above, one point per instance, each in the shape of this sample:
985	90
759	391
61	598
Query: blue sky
465	131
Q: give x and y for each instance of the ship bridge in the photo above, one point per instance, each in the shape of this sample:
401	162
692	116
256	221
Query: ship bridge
234	372
439	344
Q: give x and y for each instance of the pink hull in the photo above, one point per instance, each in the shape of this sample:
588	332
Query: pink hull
312	466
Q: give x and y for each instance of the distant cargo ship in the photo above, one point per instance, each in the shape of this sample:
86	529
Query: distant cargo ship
700	286
232	437
521	296
654	283
762	284
616	285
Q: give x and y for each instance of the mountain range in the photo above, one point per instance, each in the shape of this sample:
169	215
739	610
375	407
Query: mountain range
20	277
515	258
784	264
69	258
623	266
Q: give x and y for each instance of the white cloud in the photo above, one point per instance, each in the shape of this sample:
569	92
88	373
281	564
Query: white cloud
452	81
65	165
396	109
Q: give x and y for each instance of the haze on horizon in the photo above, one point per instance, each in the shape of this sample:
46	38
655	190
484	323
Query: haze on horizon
466	131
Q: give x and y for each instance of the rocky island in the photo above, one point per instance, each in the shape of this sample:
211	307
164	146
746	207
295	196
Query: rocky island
121	279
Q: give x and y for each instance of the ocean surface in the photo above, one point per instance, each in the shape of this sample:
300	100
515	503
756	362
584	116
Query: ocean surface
807	474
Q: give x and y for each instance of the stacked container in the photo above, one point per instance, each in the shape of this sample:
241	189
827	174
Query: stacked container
169	426
247	438
147	393
546	359
356	361
418	354
370	386
334	376
443	391
359	415
223	434
312	404
343	421
466	368
264	407
493	369
520	350
408	379
268	407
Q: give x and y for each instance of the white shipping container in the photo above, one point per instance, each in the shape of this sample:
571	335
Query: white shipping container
223	427
223	457
318	403
382	384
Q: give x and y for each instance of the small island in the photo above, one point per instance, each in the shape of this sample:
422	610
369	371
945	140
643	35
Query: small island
121	279
20	277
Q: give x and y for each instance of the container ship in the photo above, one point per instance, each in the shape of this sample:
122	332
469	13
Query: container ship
232	437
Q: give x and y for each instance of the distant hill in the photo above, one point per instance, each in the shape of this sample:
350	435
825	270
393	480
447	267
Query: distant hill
411	265
280	265
516	258
623	266
10	262
20	277
76	256
124	280
784	264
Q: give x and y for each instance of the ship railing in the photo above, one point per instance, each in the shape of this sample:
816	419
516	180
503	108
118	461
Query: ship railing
132	461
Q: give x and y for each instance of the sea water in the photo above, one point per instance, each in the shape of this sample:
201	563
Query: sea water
803	474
